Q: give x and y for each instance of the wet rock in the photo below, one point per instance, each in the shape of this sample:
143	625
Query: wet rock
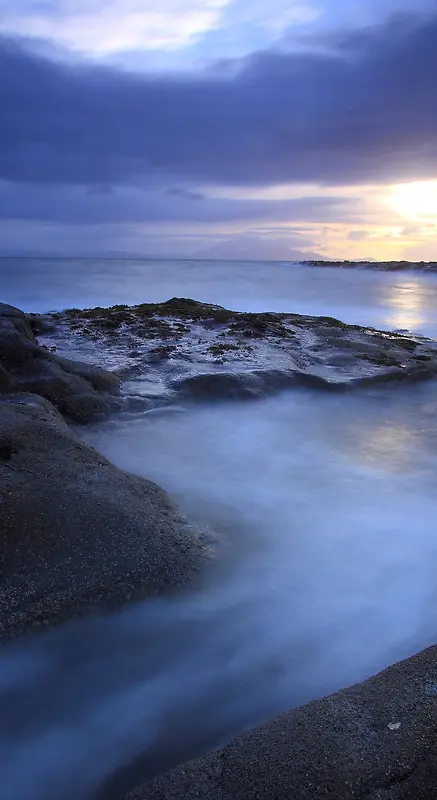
258	353
242	385
78	534
100	379
6	383
374	741
219	385
80	391
41	323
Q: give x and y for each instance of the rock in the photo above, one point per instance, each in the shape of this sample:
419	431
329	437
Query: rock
40	323
78	534
6	383
374	741
11	311
258	353
219	385
71	394
78	390
100	379
242	385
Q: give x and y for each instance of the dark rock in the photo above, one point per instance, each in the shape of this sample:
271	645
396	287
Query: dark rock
6	384
219	385
78	534
71	394
100	379
40	323
162	352
374	741
241	385
78	390
17	342
11	311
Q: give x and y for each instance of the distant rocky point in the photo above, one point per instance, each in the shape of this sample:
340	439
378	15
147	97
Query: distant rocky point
371	263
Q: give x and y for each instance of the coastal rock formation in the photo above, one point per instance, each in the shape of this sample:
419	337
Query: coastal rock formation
187	349
78	534
374	741
80	391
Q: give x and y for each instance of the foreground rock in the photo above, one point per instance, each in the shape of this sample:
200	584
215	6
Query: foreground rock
80	391
375	741
78	534
186	349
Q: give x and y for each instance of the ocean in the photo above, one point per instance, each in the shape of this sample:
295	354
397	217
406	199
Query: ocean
360	295
329	504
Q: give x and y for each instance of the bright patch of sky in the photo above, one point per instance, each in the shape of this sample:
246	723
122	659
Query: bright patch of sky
107	26
171	33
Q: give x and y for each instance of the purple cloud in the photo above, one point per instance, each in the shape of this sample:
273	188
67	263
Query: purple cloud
364	112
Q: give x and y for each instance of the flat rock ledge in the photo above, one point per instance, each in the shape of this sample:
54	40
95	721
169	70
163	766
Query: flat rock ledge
185	349
374	741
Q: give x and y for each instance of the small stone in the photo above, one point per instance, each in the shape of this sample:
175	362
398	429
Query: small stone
394	726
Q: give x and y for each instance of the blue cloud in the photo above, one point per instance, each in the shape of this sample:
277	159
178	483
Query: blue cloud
79	205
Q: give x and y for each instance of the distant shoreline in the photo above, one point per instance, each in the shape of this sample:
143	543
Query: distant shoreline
383	266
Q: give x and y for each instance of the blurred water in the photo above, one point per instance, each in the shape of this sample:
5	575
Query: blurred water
387	300
328	505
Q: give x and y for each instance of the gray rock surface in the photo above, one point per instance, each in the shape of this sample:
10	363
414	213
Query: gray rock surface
78	534
197	350
80	391
374	741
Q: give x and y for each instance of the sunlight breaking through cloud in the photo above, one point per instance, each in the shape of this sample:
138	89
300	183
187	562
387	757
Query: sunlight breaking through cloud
416	201
100	27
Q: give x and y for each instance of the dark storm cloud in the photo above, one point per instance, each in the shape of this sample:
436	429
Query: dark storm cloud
367	112
79	205
185	193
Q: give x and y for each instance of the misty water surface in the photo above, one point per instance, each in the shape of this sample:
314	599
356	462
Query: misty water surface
327	505
324	508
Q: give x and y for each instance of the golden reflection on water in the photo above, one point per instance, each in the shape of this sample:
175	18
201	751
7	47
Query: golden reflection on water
390	444
387	446
406	301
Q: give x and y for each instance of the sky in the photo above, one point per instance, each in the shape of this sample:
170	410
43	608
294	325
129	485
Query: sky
219	128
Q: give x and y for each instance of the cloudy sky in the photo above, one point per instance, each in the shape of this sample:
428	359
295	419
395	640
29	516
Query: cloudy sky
219	128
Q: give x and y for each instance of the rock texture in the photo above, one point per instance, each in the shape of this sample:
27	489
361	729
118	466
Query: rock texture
80	391
187	349
78	534
374	741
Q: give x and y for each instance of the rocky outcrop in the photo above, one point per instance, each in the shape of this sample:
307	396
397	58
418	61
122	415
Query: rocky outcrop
195	350
80	391
374	741
78	534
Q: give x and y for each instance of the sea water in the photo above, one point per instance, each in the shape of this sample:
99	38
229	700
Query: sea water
325	508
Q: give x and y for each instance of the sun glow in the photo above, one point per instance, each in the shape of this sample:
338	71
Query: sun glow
415	201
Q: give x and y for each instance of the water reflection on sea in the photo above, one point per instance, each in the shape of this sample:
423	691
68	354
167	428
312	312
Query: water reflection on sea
362	296
409	303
